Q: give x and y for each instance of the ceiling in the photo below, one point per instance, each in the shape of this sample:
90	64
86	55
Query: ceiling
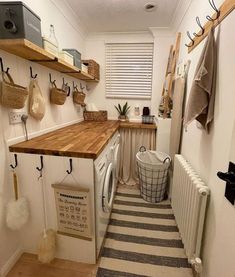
122	15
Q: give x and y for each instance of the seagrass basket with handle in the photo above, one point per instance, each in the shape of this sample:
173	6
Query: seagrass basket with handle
57	95
12	95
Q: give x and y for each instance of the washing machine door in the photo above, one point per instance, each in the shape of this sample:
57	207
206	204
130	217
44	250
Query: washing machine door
116	161
108	189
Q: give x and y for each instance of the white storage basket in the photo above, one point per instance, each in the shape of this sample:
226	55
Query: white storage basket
152	168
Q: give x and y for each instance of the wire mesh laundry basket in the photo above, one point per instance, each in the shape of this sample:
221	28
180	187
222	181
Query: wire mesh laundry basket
152	169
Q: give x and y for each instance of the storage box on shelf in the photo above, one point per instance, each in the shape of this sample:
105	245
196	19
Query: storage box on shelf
93	68
18	21
76	57
30	51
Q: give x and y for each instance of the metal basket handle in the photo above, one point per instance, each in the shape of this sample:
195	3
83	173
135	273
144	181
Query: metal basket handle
167	158
142	149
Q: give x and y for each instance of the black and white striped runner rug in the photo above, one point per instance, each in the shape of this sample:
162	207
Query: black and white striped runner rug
142	240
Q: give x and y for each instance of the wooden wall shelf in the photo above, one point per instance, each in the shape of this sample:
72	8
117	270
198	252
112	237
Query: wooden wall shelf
29	51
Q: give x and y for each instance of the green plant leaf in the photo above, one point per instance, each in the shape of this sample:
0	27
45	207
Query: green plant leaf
117	109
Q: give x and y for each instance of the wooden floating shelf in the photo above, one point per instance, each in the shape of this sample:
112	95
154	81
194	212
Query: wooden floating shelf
30	51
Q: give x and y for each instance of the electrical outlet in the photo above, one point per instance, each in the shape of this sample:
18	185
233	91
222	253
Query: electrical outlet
15	116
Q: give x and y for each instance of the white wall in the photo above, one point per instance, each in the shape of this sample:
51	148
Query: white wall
69	34
209	153
95	49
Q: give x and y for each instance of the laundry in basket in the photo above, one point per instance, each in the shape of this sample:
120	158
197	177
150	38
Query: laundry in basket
152	168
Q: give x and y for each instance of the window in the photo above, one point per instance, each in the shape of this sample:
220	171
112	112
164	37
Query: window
129	69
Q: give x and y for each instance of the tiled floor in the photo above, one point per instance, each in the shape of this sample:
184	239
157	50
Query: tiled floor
28	266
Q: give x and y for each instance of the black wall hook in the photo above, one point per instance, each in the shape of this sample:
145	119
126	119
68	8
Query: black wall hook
16	162
31	73
66	87
75	86
200	25
70	167
81	87
41	167
50	78
2	68
192	41
211	2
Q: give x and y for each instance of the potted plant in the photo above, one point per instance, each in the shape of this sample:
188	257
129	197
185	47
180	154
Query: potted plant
123	110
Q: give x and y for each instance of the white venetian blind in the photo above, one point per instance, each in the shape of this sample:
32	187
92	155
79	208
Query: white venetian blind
129	69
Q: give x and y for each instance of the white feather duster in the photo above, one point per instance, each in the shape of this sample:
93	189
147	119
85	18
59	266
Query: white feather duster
17	210
17	213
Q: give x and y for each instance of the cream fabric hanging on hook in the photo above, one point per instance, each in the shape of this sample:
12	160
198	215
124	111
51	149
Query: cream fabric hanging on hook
37	105
131	140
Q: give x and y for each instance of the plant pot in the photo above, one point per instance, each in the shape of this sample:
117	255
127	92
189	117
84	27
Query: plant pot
123	117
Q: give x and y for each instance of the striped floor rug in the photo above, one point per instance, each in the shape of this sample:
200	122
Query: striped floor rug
142	240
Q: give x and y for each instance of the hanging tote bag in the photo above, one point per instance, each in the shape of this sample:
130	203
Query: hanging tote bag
12	95
78	97
37	105
57	96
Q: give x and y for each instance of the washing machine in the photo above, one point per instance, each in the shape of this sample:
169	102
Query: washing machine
115	157
104	194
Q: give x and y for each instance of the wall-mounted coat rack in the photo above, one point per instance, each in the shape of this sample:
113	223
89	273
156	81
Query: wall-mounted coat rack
212	21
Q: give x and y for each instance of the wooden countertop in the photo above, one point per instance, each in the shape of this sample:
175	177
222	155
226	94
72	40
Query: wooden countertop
136	125
81	140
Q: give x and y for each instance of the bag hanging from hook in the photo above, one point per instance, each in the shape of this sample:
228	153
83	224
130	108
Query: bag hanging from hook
37	103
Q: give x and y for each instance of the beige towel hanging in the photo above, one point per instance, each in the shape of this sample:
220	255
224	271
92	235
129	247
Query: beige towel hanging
201	100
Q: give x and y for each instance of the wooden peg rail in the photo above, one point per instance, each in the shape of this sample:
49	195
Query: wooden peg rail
225	9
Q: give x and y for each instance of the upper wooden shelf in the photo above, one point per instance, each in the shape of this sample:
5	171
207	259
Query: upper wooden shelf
30	51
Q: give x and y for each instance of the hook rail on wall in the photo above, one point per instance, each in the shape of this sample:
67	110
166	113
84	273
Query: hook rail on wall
211	2
212	21
16	162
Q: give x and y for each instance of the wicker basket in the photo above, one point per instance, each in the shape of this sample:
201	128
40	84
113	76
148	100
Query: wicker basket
57	96
93	68
95	116
78	97
11	95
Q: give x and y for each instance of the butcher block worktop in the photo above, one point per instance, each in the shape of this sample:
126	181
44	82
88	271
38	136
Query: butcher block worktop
81	140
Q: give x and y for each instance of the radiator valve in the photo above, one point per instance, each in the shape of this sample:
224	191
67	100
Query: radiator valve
197	264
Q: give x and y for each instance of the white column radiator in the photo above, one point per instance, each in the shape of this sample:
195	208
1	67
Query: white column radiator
189	199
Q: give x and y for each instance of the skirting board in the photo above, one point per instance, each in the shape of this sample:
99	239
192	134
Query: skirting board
10	263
